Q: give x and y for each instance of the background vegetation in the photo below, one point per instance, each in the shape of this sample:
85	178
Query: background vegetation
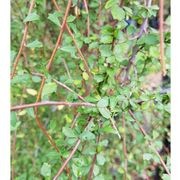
88	97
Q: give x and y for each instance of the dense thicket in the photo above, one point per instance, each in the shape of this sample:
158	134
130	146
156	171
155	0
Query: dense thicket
90	90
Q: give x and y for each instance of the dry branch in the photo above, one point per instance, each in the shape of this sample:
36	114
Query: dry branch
16	61
51	103
71	154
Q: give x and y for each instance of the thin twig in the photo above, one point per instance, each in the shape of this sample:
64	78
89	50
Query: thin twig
88	19
43	78
75	43
40	125
70	155
69	89
51	103
66	67
60	35
16	61
161	31
150	142
115	128
144	25
88	87
90	174
74	120
67	160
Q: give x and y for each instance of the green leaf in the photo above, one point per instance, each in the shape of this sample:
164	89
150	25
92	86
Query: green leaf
14	121
36	79
32	17
100	159
13	54
166	177
128	10
46	170
104	102
105	112
71	18
68	132
34	44
110	3
85	76
30	112
99	177
98	78
113	102
53	155
49	88
105	50
106	39
70	49
53	17
87	135
32	92
96	170
76	170
103	143
147	156
149	39
118	13
107	128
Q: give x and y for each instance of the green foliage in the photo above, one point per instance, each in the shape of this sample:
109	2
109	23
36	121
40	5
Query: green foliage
117	82
32	17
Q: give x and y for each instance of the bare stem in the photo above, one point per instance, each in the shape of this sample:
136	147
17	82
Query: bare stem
43	78
60	35
51	103
70	155
88	19
69	89
67	69
76	45
16	61
115	128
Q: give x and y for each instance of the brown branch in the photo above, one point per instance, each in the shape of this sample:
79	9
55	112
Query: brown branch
80	53
16	61
122	3
60	35
43	78
67	160
76	45
161	31
150	142
88	19
70	155
90	174
51	103
74	120
40	125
